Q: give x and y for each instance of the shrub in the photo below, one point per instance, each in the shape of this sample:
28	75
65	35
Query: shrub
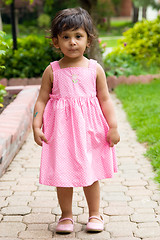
44	21
142	41
3	47
2	94
138	51
32	57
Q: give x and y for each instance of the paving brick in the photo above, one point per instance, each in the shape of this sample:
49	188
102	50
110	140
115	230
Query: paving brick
99	236
120	229
118	204
24	188
118	211
143	204
6	238
35	234
144	192
41	210
154	238
116	197
12	219
147	232
56	211
16	210
39	218
140	218
77	210
119	219
19	200
82	203
144	210
22	193
8	229
31	227
148	225
6	193
125	238
83	218
135	183
43	193
3	203
44	203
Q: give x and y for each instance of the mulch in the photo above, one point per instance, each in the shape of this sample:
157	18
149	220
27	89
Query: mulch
7	100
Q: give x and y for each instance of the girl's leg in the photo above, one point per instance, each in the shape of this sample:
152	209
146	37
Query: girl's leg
65	202
92	194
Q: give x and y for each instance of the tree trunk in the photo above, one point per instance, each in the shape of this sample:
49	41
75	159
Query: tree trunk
94	51
108	23
1	26
144	11
135	14
14	35
16	22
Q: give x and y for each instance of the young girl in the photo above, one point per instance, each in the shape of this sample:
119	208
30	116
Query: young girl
79	123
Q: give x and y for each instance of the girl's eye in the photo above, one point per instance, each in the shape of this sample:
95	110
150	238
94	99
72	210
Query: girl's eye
78	36
65	37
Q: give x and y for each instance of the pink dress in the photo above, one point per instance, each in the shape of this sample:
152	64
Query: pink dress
77	153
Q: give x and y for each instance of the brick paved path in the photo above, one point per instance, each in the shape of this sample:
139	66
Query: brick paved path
130	201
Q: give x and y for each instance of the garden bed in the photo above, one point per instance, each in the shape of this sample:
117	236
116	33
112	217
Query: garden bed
7	100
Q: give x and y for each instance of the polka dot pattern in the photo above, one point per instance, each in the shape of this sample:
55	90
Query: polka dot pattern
77	153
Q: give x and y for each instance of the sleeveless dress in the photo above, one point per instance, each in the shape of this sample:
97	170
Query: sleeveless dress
77	153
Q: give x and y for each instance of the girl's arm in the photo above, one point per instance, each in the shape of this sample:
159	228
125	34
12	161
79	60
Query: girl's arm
41	102
107	107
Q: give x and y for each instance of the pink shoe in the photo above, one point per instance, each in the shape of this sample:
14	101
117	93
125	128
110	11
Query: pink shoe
95	227
65	228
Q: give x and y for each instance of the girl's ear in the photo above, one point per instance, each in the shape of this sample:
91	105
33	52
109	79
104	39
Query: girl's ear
55	42
88	43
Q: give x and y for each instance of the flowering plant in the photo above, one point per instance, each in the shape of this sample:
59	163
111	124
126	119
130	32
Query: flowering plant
102	45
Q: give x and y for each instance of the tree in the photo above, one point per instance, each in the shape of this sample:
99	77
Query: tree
13	20
144	4
91	6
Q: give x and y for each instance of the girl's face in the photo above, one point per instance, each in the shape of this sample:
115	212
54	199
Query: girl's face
72	43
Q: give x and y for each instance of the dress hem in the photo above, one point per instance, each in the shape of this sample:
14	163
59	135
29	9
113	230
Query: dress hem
75	185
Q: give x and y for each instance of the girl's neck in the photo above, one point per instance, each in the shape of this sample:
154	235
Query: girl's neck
79	62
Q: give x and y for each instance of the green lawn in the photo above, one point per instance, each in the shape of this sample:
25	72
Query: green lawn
142	105
110	41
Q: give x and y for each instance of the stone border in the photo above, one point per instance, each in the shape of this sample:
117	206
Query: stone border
114	81
15	123
20	81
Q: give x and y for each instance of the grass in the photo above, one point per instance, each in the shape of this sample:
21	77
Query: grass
117	28
141	103
110	41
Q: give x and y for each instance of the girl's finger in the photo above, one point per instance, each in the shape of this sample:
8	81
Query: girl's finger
44	139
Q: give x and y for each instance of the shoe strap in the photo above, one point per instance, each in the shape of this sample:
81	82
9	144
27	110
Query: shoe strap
98	218
63	219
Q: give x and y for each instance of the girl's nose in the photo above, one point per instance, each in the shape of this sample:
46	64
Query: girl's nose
72	41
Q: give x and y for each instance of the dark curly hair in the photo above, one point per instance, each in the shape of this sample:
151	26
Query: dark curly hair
73	18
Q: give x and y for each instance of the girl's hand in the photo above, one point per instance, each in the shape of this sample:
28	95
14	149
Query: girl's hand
113	136
39	136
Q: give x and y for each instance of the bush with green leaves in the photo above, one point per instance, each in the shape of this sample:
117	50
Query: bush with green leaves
142	41
3	47
2	94
44	21
32	57
138	50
